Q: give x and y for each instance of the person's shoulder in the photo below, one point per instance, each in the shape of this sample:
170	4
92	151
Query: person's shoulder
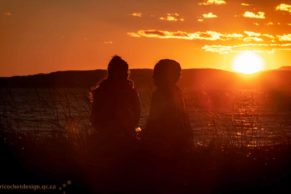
130	83
156	94
178	89
131	87
178	93
99	87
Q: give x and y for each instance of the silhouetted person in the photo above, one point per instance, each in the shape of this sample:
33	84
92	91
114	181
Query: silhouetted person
115	115
168	129
167	137
116	108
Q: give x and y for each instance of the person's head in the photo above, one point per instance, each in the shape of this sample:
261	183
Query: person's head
117	68
166	73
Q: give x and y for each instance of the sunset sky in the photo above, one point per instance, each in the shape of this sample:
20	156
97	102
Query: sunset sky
40	36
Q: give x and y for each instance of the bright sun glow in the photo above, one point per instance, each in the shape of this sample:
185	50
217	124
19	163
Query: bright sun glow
248	62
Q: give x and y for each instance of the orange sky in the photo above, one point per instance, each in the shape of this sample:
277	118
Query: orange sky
40	36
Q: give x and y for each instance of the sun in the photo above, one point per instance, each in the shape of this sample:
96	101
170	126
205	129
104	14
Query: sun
248	62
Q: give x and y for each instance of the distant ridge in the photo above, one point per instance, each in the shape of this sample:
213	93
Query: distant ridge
286	68
65	79
190	78
55	79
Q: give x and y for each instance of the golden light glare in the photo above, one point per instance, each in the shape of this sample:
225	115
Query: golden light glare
248	62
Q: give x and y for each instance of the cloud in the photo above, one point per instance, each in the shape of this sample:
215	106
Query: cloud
221	49
136	14
284	7
7	13
213	36
224	42
245	4
226	49
108	42
172	17
207	35
258	15
253	39
209	15
233	35
269	36
160	34
257	37
249	33
284	37
212	2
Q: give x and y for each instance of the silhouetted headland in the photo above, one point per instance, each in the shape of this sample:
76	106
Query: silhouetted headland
194	78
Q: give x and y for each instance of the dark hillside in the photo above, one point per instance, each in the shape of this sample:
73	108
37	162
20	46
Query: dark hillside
205	79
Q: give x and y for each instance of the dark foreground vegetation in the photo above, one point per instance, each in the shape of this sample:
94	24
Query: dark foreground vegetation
92	167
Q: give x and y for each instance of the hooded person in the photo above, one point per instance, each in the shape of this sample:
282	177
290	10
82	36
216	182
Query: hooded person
114	117
116	107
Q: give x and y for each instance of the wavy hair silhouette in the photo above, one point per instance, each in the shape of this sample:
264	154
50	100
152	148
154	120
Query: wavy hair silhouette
168	131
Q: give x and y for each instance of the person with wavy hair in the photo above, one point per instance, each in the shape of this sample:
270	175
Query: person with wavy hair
168	132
